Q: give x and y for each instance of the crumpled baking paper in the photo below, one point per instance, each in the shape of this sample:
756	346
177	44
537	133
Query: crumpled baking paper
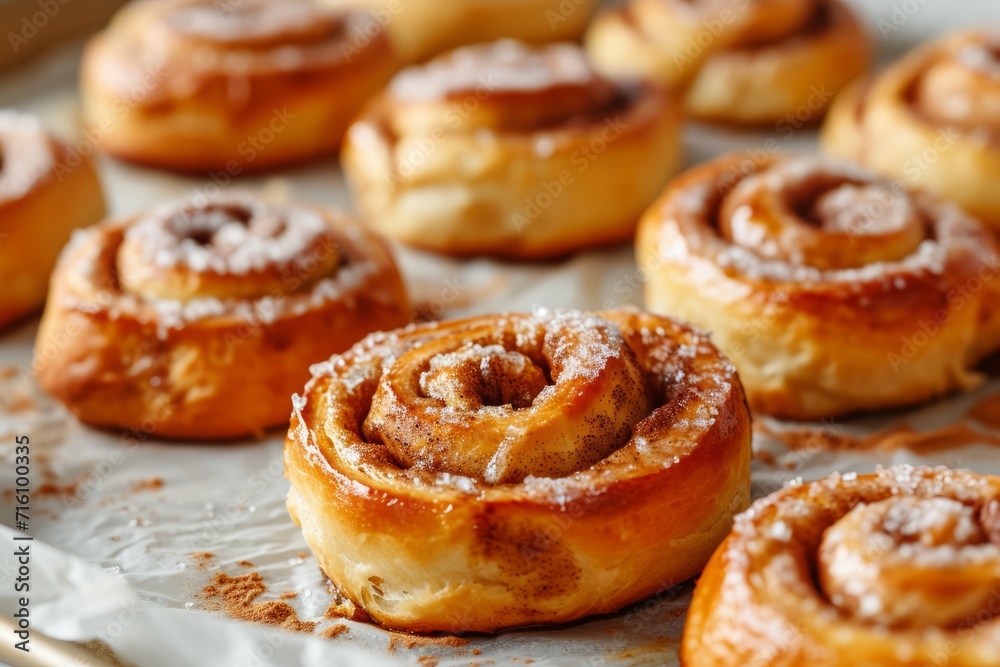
114	561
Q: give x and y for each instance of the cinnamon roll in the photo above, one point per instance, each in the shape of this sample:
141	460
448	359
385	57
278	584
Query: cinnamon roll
931	120
517	469
197	320
513	151
46	191
740	61
898	568
833	290
423	28
197	85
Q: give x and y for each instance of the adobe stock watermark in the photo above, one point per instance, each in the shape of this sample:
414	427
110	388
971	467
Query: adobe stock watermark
452	290
916	165
121	108
885	198
900	14
563	12
249	149
957	299
807	112
34	23
582	158
361	36
696	45
755	160
421	150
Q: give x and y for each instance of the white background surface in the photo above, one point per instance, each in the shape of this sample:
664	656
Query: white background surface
229	500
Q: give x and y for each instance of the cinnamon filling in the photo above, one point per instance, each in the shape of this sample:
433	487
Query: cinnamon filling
506	86
822	214
961	90
234	247
878	561
553	396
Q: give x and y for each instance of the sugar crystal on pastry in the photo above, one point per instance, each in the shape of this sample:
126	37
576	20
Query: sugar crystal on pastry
514	422
484	131
800	255
229	299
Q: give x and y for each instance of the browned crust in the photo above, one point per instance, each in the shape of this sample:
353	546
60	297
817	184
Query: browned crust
217	377
186	118
592	212
804	347
614	533
738	617
35	226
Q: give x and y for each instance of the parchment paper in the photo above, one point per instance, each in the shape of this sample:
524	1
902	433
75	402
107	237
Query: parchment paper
115	561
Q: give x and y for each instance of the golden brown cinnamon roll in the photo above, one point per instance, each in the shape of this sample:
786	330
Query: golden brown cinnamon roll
424	28
932	120
513	151
517	469
741	61
198	320
200	85
46	192
899	568
833	290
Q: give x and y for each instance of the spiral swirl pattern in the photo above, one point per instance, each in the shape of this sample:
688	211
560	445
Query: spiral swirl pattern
499	385
745	61
199	43
512	150
906	563
932	120
237	246
230	294
422	29
196	85
801	254
519	426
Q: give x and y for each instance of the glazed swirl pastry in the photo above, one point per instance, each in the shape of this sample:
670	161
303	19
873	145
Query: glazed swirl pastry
424	28
512	151
517	469
932	119
197	85
898	568
46	191
741	61
197	320
832	290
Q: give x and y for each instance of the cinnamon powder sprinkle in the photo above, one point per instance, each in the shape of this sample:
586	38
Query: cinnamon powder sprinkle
151	484
288	595
407	641
236	597
203	557
334	631
341	607
52	489
764	457
427	661
244	563
893	439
